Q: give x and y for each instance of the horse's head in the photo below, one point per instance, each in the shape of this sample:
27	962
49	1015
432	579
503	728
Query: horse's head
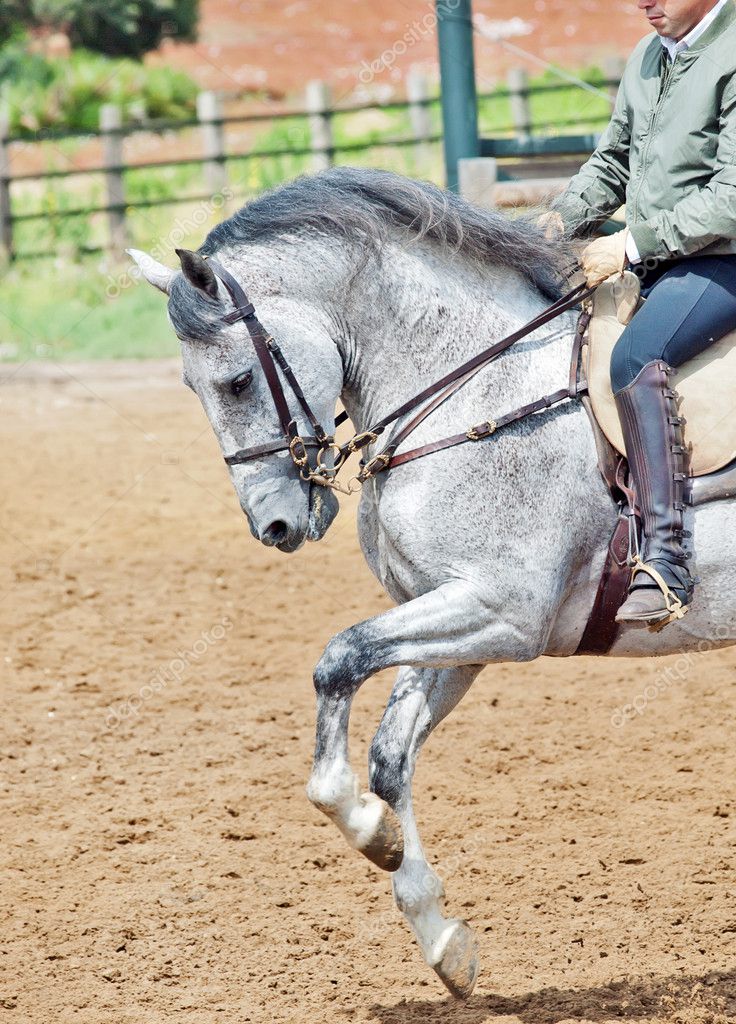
222	368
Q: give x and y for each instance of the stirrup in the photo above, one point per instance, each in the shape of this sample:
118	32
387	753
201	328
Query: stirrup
674	606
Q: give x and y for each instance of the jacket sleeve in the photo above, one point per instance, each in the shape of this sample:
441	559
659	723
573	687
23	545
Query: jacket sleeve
707	214
599	188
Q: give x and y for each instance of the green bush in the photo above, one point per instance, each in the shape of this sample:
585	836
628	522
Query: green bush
119	28
42	93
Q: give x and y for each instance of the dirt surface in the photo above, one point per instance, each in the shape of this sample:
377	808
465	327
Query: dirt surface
278	46
160	860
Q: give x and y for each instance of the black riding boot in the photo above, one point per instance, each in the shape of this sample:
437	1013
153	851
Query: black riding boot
659	461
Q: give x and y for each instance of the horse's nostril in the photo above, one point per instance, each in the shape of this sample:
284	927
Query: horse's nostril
276	533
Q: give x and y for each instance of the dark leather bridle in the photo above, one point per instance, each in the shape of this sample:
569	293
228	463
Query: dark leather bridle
272	359
269	355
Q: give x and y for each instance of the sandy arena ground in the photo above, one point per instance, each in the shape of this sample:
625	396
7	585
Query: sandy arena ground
161	861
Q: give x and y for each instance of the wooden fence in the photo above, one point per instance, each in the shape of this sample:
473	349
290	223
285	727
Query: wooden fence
518	147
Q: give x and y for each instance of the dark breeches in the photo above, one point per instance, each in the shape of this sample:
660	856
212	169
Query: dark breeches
690	304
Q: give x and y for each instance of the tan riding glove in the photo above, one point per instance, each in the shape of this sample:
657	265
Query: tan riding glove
604	257
552	225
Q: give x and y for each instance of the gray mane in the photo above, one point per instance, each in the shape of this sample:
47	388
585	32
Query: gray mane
363	207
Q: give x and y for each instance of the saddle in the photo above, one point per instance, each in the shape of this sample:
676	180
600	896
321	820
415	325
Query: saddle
706	383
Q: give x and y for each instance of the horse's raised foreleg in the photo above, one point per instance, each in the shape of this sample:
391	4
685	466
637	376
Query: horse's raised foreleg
366	821
448	627
420	700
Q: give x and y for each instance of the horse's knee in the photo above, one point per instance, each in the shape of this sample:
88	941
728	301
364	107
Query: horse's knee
393	752
388	771
344	664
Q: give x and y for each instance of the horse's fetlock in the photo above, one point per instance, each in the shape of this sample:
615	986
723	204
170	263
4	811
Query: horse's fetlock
330	792
419	894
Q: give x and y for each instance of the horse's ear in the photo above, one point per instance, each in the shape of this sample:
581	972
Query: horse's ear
198	272
154	272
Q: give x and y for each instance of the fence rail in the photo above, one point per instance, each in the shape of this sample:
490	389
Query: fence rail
519	147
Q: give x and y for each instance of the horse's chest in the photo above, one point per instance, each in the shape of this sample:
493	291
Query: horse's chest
379	548
399	547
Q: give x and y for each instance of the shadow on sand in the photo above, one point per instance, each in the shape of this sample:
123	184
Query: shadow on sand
712	996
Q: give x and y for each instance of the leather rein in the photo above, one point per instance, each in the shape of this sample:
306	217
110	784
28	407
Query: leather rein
272	359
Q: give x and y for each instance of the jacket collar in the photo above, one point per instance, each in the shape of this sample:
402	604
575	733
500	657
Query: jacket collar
725	17
674	47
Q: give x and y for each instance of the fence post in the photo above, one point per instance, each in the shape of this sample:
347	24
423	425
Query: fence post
417	93
6	210
613	69
111	121
319	102
477	177
209	114
518	85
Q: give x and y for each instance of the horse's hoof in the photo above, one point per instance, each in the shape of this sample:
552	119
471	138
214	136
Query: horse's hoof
458	966
383	845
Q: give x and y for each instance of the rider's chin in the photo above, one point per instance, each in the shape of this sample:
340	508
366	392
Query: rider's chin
323	507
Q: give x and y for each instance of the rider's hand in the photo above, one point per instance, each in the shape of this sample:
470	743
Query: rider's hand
604	257
552	225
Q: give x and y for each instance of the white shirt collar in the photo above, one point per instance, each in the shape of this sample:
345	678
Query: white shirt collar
673	47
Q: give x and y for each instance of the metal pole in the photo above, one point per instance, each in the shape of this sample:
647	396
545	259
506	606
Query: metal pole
457	75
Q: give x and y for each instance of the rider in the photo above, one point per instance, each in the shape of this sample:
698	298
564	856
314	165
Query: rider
669	153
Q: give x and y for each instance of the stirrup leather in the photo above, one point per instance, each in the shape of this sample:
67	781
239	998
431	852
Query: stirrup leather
675	607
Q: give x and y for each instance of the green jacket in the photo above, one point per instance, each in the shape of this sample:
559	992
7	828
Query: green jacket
669	152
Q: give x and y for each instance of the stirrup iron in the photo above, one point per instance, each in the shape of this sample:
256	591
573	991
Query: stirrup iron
676	609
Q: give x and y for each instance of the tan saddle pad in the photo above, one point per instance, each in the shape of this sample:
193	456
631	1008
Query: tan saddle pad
706	384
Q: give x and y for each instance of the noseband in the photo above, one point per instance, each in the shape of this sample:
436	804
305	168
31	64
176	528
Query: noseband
272	359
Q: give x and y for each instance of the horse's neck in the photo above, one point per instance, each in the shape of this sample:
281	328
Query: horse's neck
418	315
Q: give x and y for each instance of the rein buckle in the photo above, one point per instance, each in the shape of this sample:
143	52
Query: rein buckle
376	465
361	441
298	451
481	431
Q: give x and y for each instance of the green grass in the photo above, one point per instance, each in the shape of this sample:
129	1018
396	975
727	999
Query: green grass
66	312
570	109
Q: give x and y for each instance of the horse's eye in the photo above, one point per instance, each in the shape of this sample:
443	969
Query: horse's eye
241	382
